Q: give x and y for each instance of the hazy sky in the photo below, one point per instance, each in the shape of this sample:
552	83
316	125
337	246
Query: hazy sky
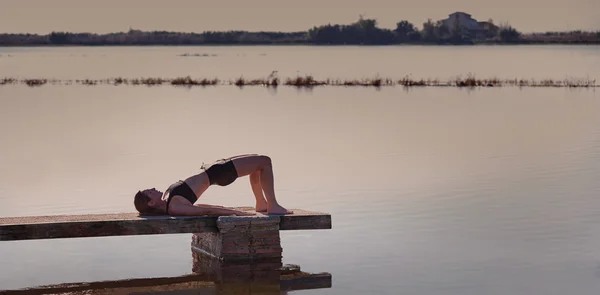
44	16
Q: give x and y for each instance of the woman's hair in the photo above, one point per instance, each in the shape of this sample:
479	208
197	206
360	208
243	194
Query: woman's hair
141	201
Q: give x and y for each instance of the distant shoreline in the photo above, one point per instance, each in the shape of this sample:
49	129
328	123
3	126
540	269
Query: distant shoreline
284	44
595	43
364	32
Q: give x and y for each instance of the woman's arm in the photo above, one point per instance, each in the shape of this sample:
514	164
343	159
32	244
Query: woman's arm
200	210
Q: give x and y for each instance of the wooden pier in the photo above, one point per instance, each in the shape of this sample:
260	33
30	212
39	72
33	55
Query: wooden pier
125	224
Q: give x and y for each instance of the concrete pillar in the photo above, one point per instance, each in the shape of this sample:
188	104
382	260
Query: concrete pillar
242	239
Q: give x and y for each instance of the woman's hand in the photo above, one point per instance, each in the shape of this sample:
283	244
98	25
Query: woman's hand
243	213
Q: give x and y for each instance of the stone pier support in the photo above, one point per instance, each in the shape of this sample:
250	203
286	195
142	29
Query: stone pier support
241	239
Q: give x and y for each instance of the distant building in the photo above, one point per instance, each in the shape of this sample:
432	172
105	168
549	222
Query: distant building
465	21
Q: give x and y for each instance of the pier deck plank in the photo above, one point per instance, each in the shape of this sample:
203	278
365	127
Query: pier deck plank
126	224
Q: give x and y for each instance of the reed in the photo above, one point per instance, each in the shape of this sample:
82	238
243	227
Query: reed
307	81
5	81
88	82
35	82
188	81
303	81
269	82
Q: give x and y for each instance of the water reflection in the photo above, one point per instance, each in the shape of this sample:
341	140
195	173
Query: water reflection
209	276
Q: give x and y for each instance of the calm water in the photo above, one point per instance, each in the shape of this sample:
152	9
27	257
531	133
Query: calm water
432	191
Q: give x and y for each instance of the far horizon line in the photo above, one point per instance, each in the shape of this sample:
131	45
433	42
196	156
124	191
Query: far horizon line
360	16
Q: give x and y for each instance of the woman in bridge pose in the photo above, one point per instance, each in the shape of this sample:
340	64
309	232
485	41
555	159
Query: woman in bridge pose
180	197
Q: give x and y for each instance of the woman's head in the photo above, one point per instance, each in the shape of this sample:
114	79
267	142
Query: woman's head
149	202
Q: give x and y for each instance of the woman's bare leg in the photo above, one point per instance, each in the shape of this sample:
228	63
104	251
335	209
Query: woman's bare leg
267	182
261	203
246	165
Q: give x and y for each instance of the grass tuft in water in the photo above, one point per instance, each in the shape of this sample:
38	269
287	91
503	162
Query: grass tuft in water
469	81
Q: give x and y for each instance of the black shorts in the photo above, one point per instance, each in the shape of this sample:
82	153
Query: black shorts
222	172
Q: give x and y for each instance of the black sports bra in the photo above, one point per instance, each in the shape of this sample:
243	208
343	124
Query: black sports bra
181	188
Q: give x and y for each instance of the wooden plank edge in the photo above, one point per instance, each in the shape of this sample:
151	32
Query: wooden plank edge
305	222
104	229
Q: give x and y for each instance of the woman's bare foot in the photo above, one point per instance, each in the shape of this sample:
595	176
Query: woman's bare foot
261	206
277	209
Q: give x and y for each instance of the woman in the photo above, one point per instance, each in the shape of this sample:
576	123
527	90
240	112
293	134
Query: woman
180	197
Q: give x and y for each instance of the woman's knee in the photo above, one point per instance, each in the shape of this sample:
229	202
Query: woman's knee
251	164
265	161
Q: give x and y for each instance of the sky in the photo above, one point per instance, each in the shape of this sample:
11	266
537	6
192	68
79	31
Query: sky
45	16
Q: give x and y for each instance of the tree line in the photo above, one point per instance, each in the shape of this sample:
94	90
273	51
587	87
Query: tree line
362	32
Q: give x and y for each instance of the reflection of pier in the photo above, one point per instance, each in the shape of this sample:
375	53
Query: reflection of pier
210	276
